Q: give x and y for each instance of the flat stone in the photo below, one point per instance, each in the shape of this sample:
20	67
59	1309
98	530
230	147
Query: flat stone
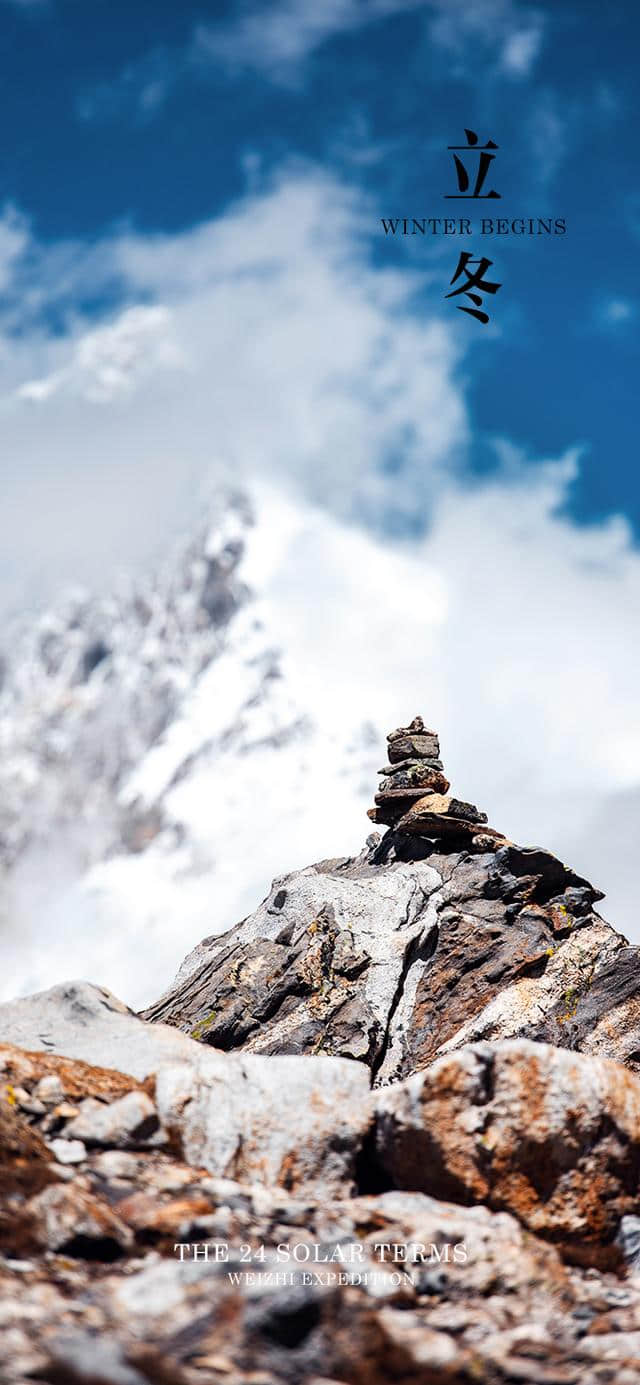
439	814
393	803
402	766
406	746
390	789
446	806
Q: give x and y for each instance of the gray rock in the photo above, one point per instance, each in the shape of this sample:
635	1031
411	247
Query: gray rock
442	1291
89	1360
628	1239
316	968
49	1090
120	1123
87	1022
115	1163
66	1218
293	1122
67	1151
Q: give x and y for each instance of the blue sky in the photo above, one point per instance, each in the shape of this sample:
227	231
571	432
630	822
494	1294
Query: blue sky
158	117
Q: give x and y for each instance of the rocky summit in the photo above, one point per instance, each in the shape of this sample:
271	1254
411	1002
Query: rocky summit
387	1128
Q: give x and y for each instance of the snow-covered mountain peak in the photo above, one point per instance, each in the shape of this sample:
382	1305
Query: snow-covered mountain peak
156	765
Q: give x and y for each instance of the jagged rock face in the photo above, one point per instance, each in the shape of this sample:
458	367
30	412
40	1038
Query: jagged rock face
395	961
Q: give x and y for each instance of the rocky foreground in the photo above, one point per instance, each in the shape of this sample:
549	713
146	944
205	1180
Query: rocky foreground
385	1129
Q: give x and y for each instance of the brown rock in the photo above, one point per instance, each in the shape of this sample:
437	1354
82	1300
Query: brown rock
439	815
74	1078
443	805
66	1218
392	804
25	1161
407	745
176	1217
552	1136
431	815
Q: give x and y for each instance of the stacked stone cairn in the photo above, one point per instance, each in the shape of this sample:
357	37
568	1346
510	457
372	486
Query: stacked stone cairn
413	798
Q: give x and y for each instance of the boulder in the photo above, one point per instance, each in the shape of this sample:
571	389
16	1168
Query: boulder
551	1136
245	1116
88	1023
290	1122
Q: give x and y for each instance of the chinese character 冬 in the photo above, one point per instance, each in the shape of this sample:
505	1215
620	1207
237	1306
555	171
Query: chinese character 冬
485	159
474	280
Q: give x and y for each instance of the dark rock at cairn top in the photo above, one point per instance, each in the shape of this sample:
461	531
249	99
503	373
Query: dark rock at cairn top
413	742
413	792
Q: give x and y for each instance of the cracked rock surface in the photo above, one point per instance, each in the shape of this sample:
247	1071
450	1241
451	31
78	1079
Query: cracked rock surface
393	960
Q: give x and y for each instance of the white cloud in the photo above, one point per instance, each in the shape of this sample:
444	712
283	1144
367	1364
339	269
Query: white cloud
549	131
521	49
14	239
616	311
502	33
275	39
511	629
262	342
266	344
